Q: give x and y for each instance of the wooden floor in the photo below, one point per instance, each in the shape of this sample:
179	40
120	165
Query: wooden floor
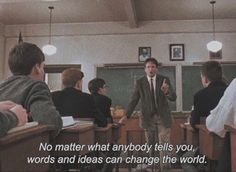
127	170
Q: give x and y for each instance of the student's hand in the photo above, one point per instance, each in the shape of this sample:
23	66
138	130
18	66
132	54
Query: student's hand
6	105
123	120
21	114
165	87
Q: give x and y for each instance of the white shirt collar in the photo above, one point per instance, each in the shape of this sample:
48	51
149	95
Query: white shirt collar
149	78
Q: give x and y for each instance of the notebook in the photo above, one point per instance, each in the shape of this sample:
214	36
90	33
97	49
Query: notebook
23	127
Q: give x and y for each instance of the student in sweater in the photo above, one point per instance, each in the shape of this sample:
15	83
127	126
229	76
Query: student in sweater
11	115
27	88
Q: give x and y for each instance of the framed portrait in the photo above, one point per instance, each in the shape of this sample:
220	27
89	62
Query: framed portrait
176	52
144	53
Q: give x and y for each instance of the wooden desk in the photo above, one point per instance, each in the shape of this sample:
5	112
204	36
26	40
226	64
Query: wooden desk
17	146
116	132
209	143
130	124
232	130
177	133
192	136
183	134
83	135
103	135
134	124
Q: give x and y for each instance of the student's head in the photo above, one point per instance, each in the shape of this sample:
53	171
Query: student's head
211	71
97	85
150	66
72	77
27	59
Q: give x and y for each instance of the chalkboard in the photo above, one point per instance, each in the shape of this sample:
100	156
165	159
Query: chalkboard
121	82
191	82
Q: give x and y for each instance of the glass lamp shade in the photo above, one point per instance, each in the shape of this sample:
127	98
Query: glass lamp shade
49	49
214	46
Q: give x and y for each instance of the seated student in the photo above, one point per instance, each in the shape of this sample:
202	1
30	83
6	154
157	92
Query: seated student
71	101
26	86
207	98
11	115
224	113
98	90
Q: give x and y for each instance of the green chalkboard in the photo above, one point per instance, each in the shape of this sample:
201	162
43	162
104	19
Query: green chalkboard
121	82
191	82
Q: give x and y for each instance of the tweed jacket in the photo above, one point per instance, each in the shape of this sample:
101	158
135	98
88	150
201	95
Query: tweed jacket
142	92
34	96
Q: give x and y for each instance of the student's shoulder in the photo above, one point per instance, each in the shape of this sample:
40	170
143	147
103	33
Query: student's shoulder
56	93
201	93
37	84
103	98
86	95
233	83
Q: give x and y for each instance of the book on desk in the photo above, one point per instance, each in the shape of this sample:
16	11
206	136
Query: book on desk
69	121
23	127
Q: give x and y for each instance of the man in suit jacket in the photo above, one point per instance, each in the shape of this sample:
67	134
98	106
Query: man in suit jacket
207	98
154	91
71	101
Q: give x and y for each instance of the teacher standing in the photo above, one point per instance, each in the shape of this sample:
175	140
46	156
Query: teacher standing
154	91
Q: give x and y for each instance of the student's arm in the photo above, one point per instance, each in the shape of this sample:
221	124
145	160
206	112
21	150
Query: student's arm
195	114
100	118
218	118
224	112
42	108
8	120
13	117
134	100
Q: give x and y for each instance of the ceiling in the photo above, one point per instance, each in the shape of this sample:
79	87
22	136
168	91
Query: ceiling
132	11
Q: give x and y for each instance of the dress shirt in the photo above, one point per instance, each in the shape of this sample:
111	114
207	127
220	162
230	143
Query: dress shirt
224	112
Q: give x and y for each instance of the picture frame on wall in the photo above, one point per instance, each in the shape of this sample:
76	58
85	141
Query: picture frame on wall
144	53
176	52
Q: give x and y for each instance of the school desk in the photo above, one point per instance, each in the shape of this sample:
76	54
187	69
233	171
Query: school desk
210	145
17	146
79	134
232	130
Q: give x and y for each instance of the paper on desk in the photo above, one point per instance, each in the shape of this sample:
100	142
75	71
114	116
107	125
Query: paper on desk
67	121
23	127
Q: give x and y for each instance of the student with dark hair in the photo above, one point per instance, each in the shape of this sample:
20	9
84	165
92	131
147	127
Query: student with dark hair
98	90
11	115
71	101
27	88
207	98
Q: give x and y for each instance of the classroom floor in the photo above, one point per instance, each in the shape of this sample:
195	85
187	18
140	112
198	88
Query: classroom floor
133	170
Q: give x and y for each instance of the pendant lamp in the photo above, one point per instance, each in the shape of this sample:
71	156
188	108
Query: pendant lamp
214	45
49	49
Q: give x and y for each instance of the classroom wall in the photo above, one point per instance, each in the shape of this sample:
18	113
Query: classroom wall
93	44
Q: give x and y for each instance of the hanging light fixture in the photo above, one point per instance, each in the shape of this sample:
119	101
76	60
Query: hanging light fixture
214	46
50	49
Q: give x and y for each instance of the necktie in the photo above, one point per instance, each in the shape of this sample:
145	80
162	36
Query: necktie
153	97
